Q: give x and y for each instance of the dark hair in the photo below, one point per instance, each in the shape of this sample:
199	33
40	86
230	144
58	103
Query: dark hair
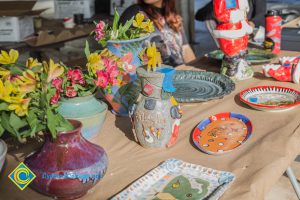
169	14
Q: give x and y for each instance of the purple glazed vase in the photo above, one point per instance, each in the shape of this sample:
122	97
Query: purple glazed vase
66	168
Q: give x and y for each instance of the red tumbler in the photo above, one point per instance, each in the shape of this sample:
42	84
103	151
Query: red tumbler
273	31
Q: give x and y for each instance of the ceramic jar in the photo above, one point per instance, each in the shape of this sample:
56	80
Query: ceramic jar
67	167
3	151
90	111
156	114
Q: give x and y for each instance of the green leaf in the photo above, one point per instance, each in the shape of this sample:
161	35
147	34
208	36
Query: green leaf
3	106
87	49
1	130
51	122
126	26
116	20
16	122
5	124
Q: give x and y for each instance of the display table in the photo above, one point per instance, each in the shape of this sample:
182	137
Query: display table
258	164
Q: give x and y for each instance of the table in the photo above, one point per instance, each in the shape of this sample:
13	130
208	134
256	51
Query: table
258	164
292	24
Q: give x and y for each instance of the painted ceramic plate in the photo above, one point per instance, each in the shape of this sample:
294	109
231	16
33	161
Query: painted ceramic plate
222	133
271	98
255	56
175	179
198	86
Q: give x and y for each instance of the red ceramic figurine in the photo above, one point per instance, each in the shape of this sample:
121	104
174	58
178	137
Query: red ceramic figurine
233	34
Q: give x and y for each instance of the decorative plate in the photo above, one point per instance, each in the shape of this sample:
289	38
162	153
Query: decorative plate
175	179
255	56
271	98
198	86
222	133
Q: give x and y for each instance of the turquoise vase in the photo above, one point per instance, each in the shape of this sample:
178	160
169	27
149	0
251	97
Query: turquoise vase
90	111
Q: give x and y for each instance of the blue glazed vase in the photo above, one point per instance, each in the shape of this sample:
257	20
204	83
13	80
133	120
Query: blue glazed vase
90	111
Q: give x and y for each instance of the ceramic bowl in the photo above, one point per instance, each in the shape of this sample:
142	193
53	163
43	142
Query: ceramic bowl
3	151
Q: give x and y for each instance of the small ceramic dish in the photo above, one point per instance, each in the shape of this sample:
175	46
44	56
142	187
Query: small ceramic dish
255	56
271	98
3	151
222	133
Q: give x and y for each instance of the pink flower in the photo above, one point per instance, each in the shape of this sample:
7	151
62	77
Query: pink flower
114	81
70	91
114	73
75	76
57	83
99	30
54	99
109	64
102	79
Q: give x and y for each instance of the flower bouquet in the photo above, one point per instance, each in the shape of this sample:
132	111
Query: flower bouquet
29	105
122	39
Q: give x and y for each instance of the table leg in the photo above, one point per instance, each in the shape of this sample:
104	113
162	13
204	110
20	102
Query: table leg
294	181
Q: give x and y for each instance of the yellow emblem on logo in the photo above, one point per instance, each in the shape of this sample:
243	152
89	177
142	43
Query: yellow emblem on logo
21	176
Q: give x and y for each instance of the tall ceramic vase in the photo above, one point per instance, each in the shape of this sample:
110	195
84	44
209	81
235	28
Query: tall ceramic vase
66	168
90	111
119	98
156	114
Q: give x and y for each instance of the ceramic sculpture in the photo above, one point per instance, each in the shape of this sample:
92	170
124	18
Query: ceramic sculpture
232	34
156	114
288	70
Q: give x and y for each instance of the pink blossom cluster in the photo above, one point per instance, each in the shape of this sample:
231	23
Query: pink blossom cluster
99	31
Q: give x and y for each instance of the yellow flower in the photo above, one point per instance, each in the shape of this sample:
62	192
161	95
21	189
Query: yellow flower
138	22
9	58
6	89
94	63
28	82
19	105
53	70
31	63
154	57
4	72
148	26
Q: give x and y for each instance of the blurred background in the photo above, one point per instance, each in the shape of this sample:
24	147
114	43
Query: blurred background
49	36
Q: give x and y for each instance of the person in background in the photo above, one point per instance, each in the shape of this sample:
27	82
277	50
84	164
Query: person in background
256	15
169	34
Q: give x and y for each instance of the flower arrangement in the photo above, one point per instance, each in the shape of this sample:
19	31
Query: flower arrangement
26	94
136	27
150	56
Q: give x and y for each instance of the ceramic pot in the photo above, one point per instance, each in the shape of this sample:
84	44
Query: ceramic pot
66	168
3	151
156	114
90	111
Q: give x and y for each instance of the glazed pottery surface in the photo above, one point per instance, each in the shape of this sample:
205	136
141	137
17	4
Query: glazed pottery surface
221	133
194	86
176	179
120	97
3	151
66	168
271	98
156	115
90	111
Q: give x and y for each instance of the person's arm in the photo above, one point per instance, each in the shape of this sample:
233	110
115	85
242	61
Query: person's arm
259	11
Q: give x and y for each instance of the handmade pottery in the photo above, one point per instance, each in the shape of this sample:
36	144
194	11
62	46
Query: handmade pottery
233	32
222	133
288	70
67	167
3	151
271	98
156	114
254	56
90	111
198	86
175	179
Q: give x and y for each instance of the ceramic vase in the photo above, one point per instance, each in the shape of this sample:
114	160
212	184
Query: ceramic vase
120	97
67	167
3	151
156	114
90	111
